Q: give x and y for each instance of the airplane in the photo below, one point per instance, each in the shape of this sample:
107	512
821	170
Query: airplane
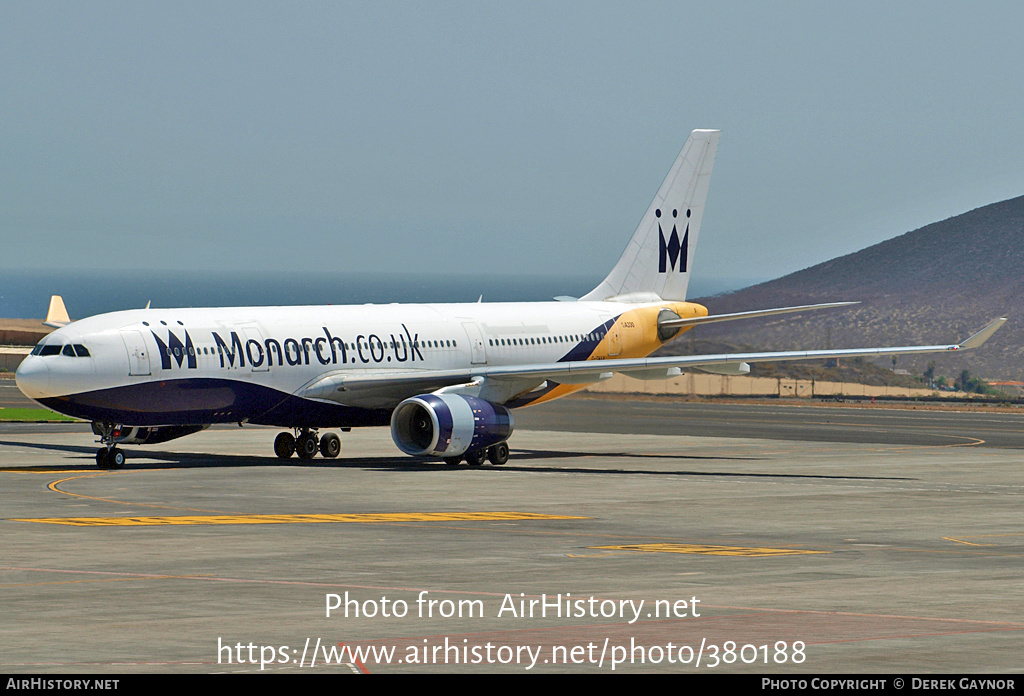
444	377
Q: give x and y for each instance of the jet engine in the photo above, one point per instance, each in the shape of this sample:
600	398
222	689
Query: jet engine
448	425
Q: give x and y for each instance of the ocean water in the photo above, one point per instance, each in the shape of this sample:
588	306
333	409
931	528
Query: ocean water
25	294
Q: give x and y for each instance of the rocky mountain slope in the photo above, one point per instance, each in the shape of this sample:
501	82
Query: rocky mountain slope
937	284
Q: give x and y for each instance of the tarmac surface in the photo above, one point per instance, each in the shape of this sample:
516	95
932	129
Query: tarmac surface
750	538
11	396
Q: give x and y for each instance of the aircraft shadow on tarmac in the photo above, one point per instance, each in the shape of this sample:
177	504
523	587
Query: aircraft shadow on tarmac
143	460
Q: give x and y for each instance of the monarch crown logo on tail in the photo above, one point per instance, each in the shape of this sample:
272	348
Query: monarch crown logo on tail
655	265
672	251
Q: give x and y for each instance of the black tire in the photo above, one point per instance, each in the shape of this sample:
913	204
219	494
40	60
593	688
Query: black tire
306	446
476	457
284	445
101	458
115	459
498	454
330	445
453	461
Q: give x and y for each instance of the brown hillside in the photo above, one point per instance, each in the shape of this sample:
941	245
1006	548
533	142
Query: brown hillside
936	284
22	332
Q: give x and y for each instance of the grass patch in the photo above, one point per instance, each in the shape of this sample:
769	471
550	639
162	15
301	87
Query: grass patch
32	415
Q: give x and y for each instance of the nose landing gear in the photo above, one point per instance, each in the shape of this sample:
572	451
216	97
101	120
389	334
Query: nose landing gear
112	458
108	456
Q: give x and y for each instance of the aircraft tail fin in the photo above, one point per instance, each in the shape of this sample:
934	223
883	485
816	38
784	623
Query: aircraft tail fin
657	261
57	316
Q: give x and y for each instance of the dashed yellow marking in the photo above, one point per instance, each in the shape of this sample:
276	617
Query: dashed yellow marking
706	550
359	518
39	470
981	536
961	541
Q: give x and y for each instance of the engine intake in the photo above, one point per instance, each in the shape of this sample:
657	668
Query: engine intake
448	425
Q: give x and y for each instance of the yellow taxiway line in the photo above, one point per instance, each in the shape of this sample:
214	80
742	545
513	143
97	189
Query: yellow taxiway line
358	518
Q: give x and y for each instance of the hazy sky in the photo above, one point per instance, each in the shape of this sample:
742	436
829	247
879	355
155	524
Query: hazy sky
511	138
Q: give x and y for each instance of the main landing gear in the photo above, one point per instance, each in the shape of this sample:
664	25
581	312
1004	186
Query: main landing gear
108	456
306	444
496	454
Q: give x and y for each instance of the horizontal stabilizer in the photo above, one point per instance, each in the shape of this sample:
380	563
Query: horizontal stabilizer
711	319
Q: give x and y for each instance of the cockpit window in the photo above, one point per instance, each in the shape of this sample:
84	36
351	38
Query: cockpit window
71	350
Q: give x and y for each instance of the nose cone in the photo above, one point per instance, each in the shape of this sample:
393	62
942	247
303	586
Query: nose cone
33	377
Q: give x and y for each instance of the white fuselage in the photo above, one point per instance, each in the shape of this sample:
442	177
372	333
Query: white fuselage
203	365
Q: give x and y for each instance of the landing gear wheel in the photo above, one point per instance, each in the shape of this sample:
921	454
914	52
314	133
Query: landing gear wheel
453	461
498	454
476	457
284	445
306	445
115	459
108	456
330	445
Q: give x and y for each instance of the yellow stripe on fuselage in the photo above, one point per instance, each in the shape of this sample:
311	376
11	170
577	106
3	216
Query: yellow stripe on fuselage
634	334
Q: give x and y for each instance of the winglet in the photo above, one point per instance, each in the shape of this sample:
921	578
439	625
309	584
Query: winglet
983	335
57	316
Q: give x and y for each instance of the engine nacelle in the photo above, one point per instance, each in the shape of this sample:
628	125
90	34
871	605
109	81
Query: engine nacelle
448	425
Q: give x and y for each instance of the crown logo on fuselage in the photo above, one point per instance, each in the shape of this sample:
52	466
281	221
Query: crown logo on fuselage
174	348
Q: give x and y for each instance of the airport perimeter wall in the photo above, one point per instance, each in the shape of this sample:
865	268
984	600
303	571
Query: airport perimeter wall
720	385
17	336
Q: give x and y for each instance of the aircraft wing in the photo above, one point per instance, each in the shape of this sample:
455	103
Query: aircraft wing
382	389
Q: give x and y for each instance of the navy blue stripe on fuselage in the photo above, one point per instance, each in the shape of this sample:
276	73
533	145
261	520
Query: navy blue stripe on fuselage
202	401
585	348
